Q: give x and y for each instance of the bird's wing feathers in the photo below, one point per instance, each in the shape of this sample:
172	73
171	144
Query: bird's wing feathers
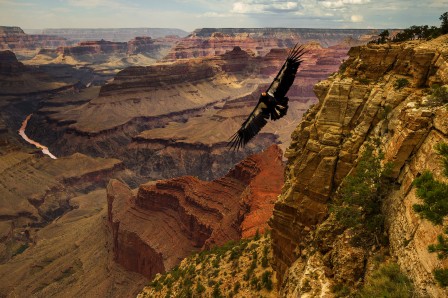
278	89
253	124
287	73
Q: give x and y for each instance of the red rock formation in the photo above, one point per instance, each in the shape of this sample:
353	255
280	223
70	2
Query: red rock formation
13	38
216	41
169	219
94	47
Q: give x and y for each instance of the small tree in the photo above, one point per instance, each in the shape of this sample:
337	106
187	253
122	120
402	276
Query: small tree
359	198
384	36
434	208
444	25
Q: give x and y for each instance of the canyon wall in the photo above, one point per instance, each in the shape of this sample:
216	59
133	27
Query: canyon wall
13	38
174	119
259	41
167	220
112	34
361	103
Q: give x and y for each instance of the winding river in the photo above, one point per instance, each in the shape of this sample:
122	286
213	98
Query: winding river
32	142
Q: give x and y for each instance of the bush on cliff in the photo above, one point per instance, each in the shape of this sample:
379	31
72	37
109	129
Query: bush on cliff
387	281
439	95
434	208
358	201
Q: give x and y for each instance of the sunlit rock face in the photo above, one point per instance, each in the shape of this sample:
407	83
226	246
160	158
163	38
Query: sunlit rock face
167	220
259	41
359	103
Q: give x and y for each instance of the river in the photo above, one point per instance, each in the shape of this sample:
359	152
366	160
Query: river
32	142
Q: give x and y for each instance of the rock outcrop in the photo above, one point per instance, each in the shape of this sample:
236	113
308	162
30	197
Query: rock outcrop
165	221
363	101
259	41
19	79
13	38
9	65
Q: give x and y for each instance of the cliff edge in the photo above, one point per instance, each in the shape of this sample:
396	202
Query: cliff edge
383	93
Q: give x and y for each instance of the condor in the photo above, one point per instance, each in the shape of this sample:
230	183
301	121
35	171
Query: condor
273	104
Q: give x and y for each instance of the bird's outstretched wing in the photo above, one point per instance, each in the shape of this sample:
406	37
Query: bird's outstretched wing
253	124
276	91
287	73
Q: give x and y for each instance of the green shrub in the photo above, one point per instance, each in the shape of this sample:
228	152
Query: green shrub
257	235
439	95
434	208
340	290
441	247
266	281
358	201
433	193
216	291
441	275
236	287
387	281
401	83
200	288
435	198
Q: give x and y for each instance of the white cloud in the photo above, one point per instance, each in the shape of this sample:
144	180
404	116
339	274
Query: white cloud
94	3
261	6
16	3
356	18
341	3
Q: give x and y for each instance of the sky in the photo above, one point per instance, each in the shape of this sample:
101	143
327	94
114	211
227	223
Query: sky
190	15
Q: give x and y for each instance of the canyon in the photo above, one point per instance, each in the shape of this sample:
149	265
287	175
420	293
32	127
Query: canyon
143	177
167	220
218	92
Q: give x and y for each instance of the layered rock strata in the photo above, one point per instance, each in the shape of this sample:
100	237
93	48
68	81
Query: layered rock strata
17	79
154	229
113	34
13	38
259	41
363	101
162	119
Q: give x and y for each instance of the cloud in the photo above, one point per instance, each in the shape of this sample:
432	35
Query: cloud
94	3
356	18
260	6
16	3
340	3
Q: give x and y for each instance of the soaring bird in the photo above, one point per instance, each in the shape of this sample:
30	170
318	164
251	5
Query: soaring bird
273	104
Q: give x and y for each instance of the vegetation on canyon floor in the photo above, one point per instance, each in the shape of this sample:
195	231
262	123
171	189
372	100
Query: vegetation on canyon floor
434	208
236	269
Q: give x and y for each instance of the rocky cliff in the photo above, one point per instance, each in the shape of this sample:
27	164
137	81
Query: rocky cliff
13	38
20	80
380	93
259	41
167	220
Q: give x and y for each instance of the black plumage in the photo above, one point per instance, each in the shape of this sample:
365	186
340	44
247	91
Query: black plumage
273	104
